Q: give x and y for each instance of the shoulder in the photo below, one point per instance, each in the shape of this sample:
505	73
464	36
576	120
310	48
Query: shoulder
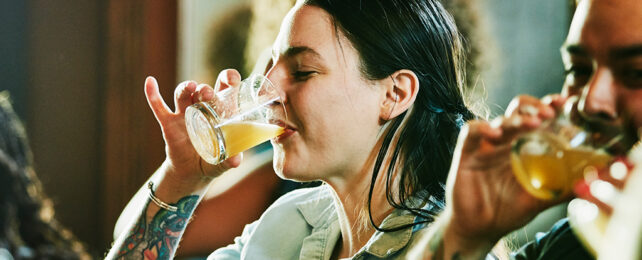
281	230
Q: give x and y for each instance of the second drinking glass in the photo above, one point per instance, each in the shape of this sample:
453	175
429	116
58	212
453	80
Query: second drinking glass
550	160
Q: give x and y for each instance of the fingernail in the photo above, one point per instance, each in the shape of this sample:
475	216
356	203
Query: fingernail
233	79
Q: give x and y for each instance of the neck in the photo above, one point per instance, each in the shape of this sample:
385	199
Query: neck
351	201
354	221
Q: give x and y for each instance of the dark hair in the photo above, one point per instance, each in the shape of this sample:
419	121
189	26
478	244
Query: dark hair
421	36
27	227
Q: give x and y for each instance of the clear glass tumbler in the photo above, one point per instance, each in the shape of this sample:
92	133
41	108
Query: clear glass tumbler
237	119
548	161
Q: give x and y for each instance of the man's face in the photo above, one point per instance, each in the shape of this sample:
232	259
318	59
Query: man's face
603	62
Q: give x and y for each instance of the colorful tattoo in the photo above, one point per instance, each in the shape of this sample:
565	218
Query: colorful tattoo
159	239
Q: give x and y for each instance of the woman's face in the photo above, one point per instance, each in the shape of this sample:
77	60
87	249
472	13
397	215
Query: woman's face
332	111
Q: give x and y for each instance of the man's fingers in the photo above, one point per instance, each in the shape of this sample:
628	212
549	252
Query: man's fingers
556	101
183	95
474	132
155	100
527	106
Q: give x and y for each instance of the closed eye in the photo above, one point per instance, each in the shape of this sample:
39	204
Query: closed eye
302	75
578	75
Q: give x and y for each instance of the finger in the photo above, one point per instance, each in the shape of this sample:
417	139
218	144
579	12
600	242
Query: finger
528	106
556	101
155	100
209	170
183	95
497	154
616	174
512	127
473	132
203	93
583	191
227	78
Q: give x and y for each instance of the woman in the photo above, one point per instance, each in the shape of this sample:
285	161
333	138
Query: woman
27	227
373	96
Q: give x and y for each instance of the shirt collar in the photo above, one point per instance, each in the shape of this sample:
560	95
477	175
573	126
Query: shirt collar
384	244
319	212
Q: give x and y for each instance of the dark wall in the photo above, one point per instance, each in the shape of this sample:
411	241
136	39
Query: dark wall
13	52
525	58
63	107
75	70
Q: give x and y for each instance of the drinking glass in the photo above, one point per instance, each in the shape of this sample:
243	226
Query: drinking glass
237	119
548	161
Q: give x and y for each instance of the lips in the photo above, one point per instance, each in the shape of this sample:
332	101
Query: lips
288	130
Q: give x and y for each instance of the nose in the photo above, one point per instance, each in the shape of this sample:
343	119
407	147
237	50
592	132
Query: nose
278	79
599	97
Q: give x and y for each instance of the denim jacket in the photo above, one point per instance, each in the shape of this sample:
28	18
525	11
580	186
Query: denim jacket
303	224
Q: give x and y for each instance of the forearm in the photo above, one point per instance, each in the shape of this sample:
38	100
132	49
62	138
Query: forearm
156	231
133	208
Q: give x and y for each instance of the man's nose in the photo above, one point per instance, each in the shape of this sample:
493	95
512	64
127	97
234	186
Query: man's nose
599	97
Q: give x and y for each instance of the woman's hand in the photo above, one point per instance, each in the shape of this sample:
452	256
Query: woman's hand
484	199
183	162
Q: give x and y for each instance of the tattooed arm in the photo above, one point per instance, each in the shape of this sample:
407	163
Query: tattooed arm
159	238
181	180
156	232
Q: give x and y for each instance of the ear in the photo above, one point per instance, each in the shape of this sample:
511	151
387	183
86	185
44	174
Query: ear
401	89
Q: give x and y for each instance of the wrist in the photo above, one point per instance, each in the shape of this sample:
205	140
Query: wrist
171	185
183	180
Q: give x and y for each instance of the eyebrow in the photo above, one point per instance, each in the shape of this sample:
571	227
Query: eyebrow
626	52
296	50
614	54
575	49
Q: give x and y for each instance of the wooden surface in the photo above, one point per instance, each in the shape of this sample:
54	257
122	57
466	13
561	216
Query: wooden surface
141	41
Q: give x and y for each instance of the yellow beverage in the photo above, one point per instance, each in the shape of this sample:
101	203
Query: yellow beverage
553	173
240	136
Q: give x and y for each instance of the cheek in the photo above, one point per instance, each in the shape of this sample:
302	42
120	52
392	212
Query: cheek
632	106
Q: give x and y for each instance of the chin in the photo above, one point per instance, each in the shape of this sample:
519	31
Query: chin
279	163
288	168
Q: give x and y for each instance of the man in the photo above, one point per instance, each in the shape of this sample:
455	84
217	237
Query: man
603	61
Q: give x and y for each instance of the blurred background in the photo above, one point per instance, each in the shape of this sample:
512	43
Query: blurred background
75	71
